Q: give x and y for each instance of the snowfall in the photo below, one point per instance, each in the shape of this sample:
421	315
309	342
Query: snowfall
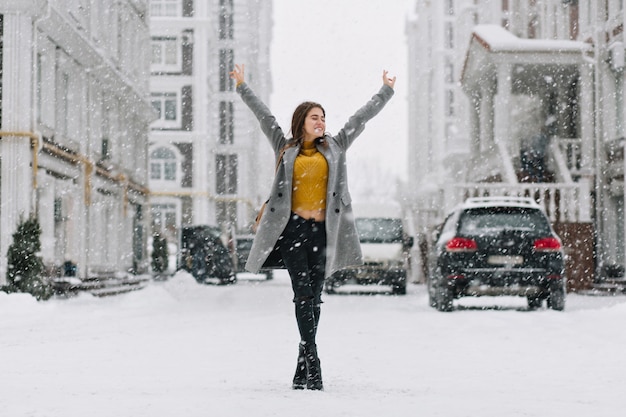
178	348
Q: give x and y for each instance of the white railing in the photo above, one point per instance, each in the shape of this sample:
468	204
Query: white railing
563	202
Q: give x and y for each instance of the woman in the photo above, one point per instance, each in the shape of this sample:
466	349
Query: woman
308	217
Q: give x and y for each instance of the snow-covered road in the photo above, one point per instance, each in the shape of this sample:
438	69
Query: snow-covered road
182	349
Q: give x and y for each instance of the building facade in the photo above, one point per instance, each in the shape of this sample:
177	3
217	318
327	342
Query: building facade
74	130
508	79
205	145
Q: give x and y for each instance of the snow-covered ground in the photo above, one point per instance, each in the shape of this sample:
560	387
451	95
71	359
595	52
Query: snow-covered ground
178	348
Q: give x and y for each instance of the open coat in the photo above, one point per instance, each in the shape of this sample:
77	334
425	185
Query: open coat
342	242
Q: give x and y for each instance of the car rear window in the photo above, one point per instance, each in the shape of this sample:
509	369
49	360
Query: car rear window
379	230
489	220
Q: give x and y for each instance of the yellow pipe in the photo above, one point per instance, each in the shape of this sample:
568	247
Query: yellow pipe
74	159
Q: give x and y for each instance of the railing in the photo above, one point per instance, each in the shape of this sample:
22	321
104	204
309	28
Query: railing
563	202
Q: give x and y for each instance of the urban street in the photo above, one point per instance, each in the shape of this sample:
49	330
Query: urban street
178	348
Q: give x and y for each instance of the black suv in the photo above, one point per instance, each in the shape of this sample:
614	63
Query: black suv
204	255
497	246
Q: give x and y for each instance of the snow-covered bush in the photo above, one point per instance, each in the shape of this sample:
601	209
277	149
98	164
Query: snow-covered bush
160	260
24	265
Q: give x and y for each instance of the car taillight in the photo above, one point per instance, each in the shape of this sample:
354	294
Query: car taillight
461	244
547	244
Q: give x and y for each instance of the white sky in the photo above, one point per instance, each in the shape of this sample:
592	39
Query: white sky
334	52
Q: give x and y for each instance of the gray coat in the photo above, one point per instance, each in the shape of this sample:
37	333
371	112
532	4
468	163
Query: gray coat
342	242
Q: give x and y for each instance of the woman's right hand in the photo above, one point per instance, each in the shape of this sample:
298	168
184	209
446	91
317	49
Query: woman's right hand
237	74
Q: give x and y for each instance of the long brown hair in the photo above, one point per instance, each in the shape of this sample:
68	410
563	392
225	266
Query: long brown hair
299	115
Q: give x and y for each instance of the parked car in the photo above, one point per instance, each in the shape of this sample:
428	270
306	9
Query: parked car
205	256
242	250
385	246
497	246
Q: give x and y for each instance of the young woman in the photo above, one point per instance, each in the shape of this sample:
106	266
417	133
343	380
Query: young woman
308	217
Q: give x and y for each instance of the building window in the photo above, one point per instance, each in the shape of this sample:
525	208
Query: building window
226	212
449	103
165	8
226	66
449	35
165	54
226	19
167	108
226	122
164	219
450	7
226	174
163	165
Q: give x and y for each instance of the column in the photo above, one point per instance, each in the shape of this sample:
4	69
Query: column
16	173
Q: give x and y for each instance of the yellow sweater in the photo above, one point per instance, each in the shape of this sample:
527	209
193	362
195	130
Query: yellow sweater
310	179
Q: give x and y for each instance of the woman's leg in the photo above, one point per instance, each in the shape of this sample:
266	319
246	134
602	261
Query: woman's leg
303	251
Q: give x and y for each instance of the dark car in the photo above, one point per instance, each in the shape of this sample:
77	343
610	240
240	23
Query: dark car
242	249
204	255
497	246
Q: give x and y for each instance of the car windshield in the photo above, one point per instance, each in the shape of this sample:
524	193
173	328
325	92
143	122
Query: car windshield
379	230
491	220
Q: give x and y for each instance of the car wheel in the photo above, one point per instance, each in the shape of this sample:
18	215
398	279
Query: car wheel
534	302
399	289
556	297
445	296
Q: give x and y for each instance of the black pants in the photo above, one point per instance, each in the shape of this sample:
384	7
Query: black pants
303	248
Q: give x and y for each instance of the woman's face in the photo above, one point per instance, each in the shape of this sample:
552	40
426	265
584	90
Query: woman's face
314	124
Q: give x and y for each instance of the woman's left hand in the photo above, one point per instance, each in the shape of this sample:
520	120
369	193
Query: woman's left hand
388	81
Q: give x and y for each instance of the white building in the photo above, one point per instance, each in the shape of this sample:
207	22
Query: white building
489	76
74	124
205	144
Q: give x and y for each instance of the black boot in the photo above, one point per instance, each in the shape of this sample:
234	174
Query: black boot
299	379
313	368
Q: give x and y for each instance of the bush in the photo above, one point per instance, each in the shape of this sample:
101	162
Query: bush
160	260
25	266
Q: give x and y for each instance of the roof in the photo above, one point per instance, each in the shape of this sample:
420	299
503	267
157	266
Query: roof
495	38
533	59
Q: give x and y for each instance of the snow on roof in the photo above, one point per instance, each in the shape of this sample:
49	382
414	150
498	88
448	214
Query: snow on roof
497	39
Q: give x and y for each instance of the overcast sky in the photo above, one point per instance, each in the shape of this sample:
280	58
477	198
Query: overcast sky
334	52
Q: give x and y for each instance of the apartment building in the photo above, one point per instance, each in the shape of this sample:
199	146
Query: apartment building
75	116
205	145
488	78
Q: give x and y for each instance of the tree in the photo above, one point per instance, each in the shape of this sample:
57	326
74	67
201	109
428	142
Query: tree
25	266
160	254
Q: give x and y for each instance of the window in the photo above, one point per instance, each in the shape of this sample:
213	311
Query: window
226	19
226	65
450	7
164	219
165	8
165	54
226	122
163	164
449	35
449	103
167	108
226	174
